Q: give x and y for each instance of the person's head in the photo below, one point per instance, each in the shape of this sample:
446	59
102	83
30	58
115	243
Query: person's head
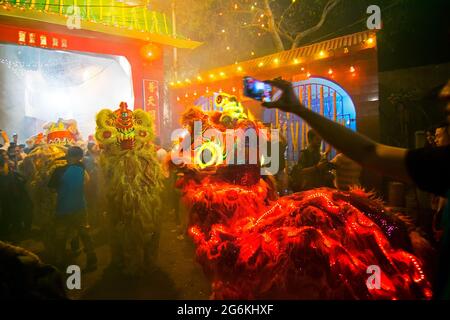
442	135
18	153
15	137
314	140
11	151
92	148
4	155
74	154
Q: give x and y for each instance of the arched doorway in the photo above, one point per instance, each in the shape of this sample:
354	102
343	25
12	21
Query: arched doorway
320	95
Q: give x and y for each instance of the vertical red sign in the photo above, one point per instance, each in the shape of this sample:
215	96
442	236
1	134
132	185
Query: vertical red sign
151	100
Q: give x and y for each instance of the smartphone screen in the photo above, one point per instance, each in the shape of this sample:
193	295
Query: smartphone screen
257	90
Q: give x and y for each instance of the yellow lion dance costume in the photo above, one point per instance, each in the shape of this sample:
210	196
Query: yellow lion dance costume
133	179
48	152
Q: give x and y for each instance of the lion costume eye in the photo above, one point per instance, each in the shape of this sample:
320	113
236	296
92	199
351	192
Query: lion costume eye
142	134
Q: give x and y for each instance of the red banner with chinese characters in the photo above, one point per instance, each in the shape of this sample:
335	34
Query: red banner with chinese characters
151	100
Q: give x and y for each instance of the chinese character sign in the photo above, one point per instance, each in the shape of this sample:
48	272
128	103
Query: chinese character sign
151	100
43	40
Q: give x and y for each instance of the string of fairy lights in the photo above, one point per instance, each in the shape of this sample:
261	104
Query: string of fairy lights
238	70
258	19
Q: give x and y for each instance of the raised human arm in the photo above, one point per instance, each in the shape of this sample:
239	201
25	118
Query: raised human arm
384	159
5	138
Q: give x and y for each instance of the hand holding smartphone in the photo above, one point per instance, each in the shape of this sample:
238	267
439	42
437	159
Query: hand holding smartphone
257	90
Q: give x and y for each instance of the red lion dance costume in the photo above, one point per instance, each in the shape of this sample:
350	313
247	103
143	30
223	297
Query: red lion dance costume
317	244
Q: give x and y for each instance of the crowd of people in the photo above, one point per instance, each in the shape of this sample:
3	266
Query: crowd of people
79	207
15	203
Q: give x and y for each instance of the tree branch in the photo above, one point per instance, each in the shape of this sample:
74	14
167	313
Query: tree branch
284	13
273	27
285	34
300	35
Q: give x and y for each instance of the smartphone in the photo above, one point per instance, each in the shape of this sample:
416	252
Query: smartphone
257	90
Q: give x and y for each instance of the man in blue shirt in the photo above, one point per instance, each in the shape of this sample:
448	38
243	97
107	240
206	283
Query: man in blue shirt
71	218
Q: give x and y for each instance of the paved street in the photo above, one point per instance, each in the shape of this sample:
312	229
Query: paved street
175	276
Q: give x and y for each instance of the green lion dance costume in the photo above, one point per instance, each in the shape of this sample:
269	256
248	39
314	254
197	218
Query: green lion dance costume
133	181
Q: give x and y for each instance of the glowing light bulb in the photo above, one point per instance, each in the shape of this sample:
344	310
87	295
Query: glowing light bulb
296	61
199	78
260	64
352	69
222	74
276	61
370	41
239	68
322	53
330	71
